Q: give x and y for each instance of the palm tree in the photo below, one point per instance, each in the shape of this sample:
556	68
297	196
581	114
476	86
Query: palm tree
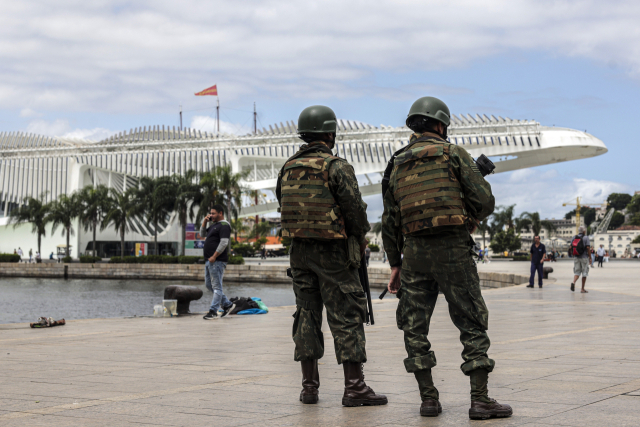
121	208
35	211
260	230
257	196
63	212
156	198
504	216
188	196
238	227
532	220
210	193
484	228
229	185
94	206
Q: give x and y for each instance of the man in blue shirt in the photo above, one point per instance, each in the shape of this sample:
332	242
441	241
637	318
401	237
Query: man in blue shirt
538	251
216	255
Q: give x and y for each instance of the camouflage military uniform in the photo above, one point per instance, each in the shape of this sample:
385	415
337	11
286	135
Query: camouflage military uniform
438	257
322	276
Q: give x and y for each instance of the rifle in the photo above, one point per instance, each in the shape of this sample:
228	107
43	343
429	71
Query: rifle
364	281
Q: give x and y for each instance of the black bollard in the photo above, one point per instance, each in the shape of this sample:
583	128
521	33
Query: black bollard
184	295
66	272
546	271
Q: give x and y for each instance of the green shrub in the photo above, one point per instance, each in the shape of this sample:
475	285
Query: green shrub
189	259
236	260
88	259
374	248
9	258
67	259
167	259
521	258
243	249
130	260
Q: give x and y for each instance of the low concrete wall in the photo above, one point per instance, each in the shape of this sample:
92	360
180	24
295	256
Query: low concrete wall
274	274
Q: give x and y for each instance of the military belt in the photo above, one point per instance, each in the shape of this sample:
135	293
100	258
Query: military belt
297	226
290	209
433	214
454	202
326	217
286	199
302	191
302	182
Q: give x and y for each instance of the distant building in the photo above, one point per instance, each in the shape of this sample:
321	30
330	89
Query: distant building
619	240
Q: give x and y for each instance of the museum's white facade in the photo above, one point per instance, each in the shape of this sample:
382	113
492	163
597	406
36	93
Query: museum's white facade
31	165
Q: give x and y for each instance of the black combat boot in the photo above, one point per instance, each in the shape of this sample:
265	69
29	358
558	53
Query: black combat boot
482	406
356	392
310	381
428	393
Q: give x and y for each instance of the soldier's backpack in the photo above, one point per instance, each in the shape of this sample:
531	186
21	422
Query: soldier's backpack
577	246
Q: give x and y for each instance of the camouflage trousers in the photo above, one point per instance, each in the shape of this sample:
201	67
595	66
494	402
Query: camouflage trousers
321	277
444	263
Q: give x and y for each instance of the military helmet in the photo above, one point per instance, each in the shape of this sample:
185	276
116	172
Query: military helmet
432	108
317	119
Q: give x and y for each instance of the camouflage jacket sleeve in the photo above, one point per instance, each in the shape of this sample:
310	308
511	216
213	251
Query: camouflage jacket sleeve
478	199
391	232
344	187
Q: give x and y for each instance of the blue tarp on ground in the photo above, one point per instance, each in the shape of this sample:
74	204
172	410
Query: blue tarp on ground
262	310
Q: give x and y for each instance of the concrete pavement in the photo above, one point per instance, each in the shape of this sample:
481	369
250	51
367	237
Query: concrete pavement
562	359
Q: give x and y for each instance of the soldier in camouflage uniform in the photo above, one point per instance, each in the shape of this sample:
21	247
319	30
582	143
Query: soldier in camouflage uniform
323	211
435	198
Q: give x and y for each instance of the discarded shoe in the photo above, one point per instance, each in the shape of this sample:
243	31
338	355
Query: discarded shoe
47	322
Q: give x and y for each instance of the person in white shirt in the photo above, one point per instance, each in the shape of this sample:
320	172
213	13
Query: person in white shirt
600	253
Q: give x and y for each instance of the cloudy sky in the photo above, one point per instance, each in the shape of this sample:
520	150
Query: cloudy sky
88	69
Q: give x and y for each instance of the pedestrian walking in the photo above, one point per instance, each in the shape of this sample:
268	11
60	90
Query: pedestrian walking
323	212
30	255
216	254
435	199
20	253
367	254
38	257
580	249
538	251
384	256
600	254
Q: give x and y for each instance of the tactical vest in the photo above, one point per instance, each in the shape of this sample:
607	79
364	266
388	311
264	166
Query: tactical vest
308	209
425	189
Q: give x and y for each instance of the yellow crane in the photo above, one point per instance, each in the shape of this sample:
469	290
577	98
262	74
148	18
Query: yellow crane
578	205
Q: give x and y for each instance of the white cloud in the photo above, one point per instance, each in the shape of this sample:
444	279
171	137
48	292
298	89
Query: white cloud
61	128
532	190
208	124
28	112
119	57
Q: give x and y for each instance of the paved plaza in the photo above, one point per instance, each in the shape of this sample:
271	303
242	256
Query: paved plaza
562	359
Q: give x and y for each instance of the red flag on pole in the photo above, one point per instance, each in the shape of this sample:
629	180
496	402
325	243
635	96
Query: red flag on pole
213	90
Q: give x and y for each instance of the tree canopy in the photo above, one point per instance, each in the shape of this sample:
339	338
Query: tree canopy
616	221
618	201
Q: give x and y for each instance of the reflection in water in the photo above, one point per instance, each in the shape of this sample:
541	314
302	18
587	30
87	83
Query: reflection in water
26	299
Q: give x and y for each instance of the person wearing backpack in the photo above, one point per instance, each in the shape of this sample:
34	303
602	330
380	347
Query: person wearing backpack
580	249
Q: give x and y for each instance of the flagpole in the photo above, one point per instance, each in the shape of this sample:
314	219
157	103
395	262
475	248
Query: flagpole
218	114
181	117
255	121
